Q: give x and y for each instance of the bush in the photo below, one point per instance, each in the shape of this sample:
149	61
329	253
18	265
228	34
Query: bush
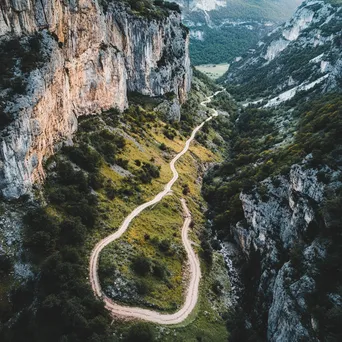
5	264
73	232
84	156
164	245
169	133
140	332
96	180
159	270
186	189
217	287
143	287
148	172
163	147
141	265
207	251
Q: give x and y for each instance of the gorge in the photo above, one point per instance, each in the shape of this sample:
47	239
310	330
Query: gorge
98	100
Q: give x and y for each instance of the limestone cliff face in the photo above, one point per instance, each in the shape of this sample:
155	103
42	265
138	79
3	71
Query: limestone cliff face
92	59
275	224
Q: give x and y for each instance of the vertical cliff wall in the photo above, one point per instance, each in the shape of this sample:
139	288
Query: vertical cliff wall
90	58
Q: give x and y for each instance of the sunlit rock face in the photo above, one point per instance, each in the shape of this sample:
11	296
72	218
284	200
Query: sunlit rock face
92	57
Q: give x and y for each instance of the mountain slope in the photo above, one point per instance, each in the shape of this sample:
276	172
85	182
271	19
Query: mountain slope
223	30
302	54
249	9
276	195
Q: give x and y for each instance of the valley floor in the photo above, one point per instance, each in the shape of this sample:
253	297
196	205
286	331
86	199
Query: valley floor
213	71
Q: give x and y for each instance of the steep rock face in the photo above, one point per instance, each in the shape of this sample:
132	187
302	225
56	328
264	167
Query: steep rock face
92	59
275	223
302	54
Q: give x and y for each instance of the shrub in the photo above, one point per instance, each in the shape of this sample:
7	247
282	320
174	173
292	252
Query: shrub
186	189
5	264
169	133
73	232
148	172
96	180
143	287
163	147
110	191
84	156
159	270
217	287
140	332
141	265
122	162
164	245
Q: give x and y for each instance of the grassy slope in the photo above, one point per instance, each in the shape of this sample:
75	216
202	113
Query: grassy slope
58	237
164	221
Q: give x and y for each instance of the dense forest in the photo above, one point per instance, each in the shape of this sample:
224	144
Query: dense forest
223	44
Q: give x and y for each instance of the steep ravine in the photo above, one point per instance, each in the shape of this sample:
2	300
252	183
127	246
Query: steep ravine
91	59
280	211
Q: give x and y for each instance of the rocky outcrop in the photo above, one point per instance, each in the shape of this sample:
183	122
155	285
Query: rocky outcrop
302	54
92	58
280	216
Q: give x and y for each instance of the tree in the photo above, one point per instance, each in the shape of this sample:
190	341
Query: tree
141	265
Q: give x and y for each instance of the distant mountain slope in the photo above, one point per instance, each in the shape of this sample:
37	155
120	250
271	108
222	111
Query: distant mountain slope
303	54
275	10
222	30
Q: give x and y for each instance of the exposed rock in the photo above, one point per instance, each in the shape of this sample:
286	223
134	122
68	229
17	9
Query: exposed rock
93	58
276	222
170	109
285	321
307	46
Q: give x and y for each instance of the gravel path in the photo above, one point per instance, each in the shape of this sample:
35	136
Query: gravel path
195	271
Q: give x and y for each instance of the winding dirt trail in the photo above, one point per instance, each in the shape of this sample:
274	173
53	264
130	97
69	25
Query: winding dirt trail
195	270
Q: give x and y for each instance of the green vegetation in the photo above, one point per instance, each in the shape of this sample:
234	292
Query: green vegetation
326	311
116	162
150	9
264	80
257	9
64	306
256	152
223	44
253	78
252	142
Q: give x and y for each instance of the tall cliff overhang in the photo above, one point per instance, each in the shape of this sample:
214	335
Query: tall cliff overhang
90	58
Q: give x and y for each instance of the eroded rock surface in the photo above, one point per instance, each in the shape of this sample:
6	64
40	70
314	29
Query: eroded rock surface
92	57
